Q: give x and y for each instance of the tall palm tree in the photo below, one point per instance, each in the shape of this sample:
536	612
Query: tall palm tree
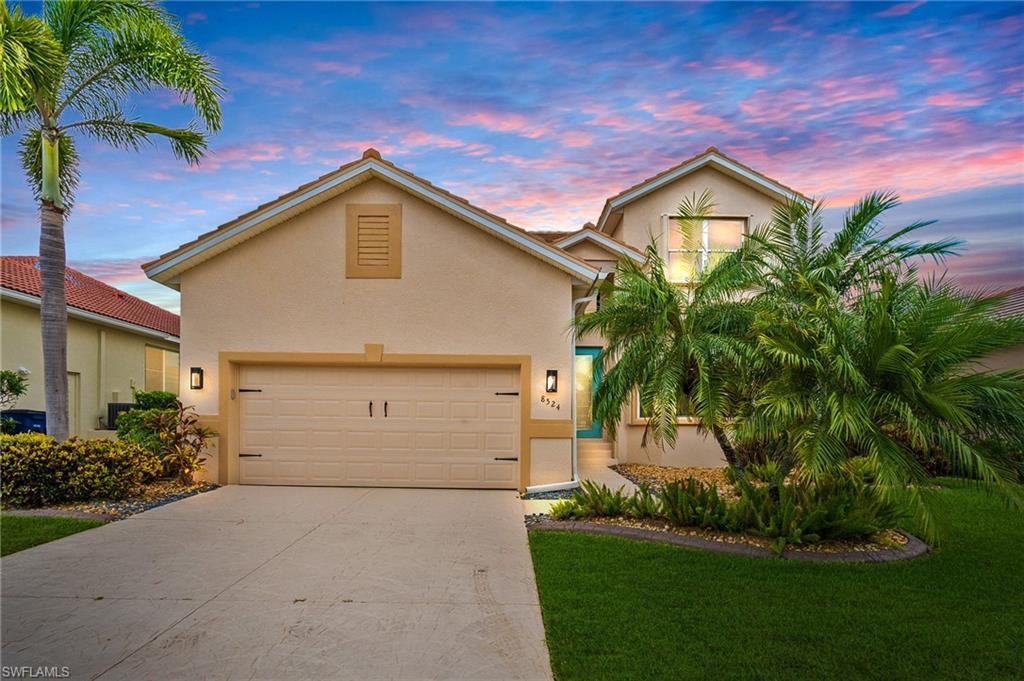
72	70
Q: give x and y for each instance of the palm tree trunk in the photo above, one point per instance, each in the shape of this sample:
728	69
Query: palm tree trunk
53	313
731	457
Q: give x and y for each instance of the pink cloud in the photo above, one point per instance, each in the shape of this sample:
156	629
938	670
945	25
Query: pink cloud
690	114
748	68
879	120
576	138
337	68
501	122
899	9
421	138
954	100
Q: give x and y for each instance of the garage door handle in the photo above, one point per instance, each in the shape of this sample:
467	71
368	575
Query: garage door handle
371	409
250	455
506	458
506	393
385	408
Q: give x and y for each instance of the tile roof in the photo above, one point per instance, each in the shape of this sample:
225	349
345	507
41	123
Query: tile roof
552	237
21	273
1013	303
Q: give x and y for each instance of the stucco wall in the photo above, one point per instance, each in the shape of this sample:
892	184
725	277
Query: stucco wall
108	362
1013	358
732	198
462	291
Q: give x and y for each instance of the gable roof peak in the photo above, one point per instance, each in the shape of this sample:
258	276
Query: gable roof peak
370	152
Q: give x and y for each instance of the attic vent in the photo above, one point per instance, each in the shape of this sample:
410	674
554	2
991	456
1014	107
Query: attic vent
373	241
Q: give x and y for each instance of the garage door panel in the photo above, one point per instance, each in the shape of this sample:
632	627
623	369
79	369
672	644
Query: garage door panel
444	426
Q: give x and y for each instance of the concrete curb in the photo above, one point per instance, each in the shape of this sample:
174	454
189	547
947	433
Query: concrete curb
913	549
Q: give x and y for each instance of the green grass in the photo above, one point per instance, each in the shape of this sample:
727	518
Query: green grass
619	609
20	532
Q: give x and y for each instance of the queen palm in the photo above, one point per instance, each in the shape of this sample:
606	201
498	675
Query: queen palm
72	71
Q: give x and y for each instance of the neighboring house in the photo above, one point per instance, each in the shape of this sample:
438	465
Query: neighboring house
370	328
1011	358
116	342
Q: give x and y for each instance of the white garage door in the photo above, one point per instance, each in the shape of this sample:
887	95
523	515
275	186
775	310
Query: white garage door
381	426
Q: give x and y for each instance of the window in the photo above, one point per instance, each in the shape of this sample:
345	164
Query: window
642	414
161	369
709	242
373	241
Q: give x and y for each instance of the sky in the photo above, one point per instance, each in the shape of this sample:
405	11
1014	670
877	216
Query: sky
539	112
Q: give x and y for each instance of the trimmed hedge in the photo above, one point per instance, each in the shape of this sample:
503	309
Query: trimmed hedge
36	470
155	399
135	426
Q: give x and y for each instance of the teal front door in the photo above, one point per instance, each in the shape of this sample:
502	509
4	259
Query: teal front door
588	375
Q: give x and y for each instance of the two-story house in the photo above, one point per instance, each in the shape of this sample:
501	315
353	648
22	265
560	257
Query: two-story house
370	328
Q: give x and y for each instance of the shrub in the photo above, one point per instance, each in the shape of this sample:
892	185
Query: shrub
154	399
182	440
642	504
691	503
36	470
134	426
836	508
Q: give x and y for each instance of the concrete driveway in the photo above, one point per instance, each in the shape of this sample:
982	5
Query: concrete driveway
286	583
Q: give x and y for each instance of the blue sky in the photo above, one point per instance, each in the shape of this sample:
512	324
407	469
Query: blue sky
539	112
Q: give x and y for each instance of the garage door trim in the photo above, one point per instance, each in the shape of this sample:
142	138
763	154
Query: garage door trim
230	419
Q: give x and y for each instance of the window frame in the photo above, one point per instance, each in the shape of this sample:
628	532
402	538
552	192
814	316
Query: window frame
703	250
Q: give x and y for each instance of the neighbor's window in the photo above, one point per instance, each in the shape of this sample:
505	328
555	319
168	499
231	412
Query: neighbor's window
709	242
161	369
374	241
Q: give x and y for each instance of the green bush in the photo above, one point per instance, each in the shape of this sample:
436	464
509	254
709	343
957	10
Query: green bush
837	508
36	470
136	425
691	503
154	399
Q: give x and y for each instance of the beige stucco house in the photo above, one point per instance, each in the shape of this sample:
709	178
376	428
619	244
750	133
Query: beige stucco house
370	328
116	342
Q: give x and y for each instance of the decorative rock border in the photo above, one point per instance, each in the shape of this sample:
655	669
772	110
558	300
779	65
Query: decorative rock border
913	549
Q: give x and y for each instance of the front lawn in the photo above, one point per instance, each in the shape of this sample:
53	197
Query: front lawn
20	532
618	609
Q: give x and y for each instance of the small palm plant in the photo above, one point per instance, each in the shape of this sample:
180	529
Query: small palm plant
72	71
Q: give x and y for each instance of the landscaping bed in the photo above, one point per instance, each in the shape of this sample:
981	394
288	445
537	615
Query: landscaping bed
152	495
653	476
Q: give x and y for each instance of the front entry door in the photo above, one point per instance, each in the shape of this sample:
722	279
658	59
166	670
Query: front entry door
588	375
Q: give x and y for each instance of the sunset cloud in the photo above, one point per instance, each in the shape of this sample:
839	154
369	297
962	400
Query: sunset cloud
540	112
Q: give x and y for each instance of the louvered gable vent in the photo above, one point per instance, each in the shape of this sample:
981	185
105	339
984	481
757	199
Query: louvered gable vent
374	241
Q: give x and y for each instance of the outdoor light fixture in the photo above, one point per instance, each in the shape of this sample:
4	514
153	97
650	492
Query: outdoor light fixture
552	382
195	381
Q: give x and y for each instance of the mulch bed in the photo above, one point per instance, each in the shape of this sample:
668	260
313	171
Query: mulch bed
652	476
152	495
886	546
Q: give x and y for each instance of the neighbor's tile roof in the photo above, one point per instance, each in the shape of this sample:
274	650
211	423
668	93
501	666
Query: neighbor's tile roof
552	237
21	273
1013	302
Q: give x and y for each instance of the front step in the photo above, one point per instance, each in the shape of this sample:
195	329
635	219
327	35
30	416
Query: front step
594	450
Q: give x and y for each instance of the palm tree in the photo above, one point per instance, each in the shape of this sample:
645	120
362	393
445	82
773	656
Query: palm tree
676	348
82	61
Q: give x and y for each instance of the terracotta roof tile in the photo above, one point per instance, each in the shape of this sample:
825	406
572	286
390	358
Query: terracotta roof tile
21	273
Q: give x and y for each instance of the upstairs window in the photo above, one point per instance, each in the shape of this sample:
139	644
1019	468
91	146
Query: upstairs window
373	241
161	369
710	241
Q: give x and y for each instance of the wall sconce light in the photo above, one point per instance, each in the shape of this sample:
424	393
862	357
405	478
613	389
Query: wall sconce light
195	378
551	385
